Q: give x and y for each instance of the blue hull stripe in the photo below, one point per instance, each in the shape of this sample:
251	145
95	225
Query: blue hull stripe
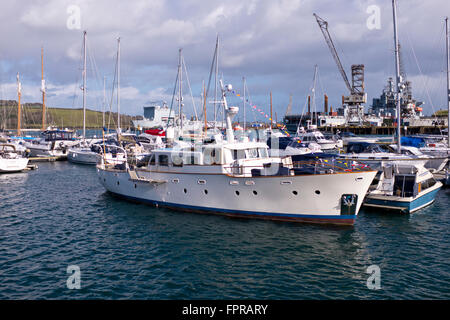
271	215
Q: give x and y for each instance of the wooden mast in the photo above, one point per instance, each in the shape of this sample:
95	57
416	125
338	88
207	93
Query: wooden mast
19	108
43	90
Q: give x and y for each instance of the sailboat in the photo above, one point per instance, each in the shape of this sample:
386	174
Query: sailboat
10	159
55	142
402	186
84	152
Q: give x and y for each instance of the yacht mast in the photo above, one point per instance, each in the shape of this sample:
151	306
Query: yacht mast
180	88
447	40
19	107
104	101
216	75
243	79
204	107
398	78
43	89
84	85
118	85
314	94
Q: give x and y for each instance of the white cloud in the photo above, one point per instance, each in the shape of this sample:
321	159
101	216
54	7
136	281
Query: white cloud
275	44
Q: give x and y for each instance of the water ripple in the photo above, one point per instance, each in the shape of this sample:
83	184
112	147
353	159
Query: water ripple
60	215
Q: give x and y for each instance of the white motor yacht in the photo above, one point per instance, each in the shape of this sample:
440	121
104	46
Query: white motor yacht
239	179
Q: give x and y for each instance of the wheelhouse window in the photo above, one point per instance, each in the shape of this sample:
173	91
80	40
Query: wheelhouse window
238	154
404	186
263	152
427	183
252	153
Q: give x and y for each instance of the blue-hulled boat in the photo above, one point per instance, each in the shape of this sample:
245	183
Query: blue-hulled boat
402	187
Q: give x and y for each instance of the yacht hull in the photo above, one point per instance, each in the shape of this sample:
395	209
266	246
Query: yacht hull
306	198
82	156
43	152
13	165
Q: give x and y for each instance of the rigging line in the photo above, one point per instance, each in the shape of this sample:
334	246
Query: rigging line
422	75
112	93
77	84
189	86
306	102
250	100
210	74
171	103
301	117
95	71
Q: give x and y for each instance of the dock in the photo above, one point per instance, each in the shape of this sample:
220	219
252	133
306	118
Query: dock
44	159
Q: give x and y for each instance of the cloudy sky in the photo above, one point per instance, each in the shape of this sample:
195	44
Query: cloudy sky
273	43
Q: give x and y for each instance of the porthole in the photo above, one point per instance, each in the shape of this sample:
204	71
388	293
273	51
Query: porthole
237	192
118	183
205	191
185	190
317	191
135	186
295	193
255	193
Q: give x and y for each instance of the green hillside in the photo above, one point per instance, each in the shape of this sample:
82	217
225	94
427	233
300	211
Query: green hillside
441	113
61	117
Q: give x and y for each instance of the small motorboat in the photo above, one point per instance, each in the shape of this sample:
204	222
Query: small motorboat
403	187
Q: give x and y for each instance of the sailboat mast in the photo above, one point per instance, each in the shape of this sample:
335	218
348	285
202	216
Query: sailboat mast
84	85
216	75
447	40
180	92
104	102
204	107
397	75
314	93
245	120
43	89
118	84
19	107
